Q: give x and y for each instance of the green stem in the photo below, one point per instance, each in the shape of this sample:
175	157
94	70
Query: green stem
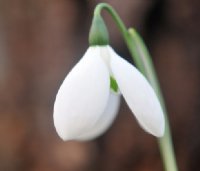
116	18
144	63
165	143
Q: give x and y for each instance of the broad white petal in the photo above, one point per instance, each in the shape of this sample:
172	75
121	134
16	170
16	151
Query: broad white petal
105	120
138	94
82	96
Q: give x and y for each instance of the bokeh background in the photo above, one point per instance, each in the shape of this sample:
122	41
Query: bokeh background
41	40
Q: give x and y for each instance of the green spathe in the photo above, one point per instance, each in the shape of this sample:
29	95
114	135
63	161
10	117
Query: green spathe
98	34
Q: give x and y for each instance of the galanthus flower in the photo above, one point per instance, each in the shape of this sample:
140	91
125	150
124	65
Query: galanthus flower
89	97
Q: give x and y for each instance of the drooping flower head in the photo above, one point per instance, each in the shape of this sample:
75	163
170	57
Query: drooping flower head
89	97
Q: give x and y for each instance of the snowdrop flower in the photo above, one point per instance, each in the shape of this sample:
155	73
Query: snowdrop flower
89	97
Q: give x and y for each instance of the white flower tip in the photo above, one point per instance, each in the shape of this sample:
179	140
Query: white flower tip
154	125
61	128
162	130
159	132
152	120
62	136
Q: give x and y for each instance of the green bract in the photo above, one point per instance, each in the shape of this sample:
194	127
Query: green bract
98	32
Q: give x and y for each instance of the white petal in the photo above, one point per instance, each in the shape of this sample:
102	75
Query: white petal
105	120
138	94
82	96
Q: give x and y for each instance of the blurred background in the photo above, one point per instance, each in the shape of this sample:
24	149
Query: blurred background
41	40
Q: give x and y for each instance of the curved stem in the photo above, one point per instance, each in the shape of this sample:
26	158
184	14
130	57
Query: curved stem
115	16
165	143
144	63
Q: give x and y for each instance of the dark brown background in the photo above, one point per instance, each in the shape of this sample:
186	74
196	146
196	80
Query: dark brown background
41	40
